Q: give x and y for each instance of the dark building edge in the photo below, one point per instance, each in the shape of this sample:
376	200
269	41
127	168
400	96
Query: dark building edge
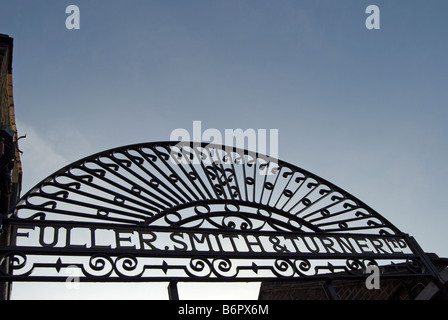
10	165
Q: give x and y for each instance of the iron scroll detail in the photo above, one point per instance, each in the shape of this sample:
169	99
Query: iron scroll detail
196	212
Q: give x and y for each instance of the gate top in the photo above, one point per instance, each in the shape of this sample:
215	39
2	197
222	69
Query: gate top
197	185
181	211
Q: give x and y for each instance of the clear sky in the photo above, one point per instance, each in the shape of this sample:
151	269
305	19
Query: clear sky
364	109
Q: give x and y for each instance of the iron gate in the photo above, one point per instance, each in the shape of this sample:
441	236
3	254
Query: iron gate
181	211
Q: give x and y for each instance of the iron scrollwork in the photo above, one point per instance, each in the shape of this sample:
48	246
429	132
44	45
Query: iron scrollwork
195	211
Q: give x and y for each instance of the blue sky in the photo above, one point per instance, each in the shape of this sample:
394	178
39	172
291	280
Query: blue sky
364	109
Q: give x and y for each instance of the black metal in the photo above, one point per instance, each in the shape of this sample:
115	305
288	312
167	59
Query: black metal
432	269
330	291
171	211
173	293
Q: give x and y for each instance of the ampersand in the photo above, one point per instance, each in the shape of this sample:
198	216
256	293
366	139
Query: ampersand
277	246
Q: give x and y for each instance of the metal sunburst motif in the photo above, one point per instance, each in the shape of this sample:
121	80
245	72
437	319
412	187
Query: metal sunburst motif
200	185
183	211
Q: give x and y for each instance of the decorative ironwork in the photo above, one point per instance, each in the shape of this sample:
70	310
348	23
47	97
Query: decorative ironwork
197	212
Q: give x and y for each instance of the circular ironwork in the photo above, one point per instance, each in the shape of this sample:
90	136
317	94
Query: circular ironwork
184	185
183	211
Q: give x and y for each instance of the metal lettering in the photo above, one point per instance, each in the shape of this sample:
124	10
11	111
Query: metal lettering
256	243
42	237
346	245
174	236
146	241
93	240
228	243
119	239
68	237
15	233
195	239
328	245
363	246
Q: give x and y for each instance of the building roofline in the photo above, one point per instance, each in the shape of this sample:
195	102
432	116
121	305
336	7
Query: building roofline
5	39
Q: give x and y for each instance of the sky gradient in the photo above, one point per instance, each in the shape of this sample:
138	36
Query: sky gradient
364	109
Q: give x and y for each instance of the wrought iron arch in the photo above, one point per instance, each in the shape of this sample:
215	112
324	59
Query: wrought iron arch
183	211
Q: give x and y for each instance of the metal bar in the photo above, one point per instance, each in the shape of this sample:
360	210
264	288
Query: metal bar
73	251
17	278
162	202
330	291
173	293
139	227
419	251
